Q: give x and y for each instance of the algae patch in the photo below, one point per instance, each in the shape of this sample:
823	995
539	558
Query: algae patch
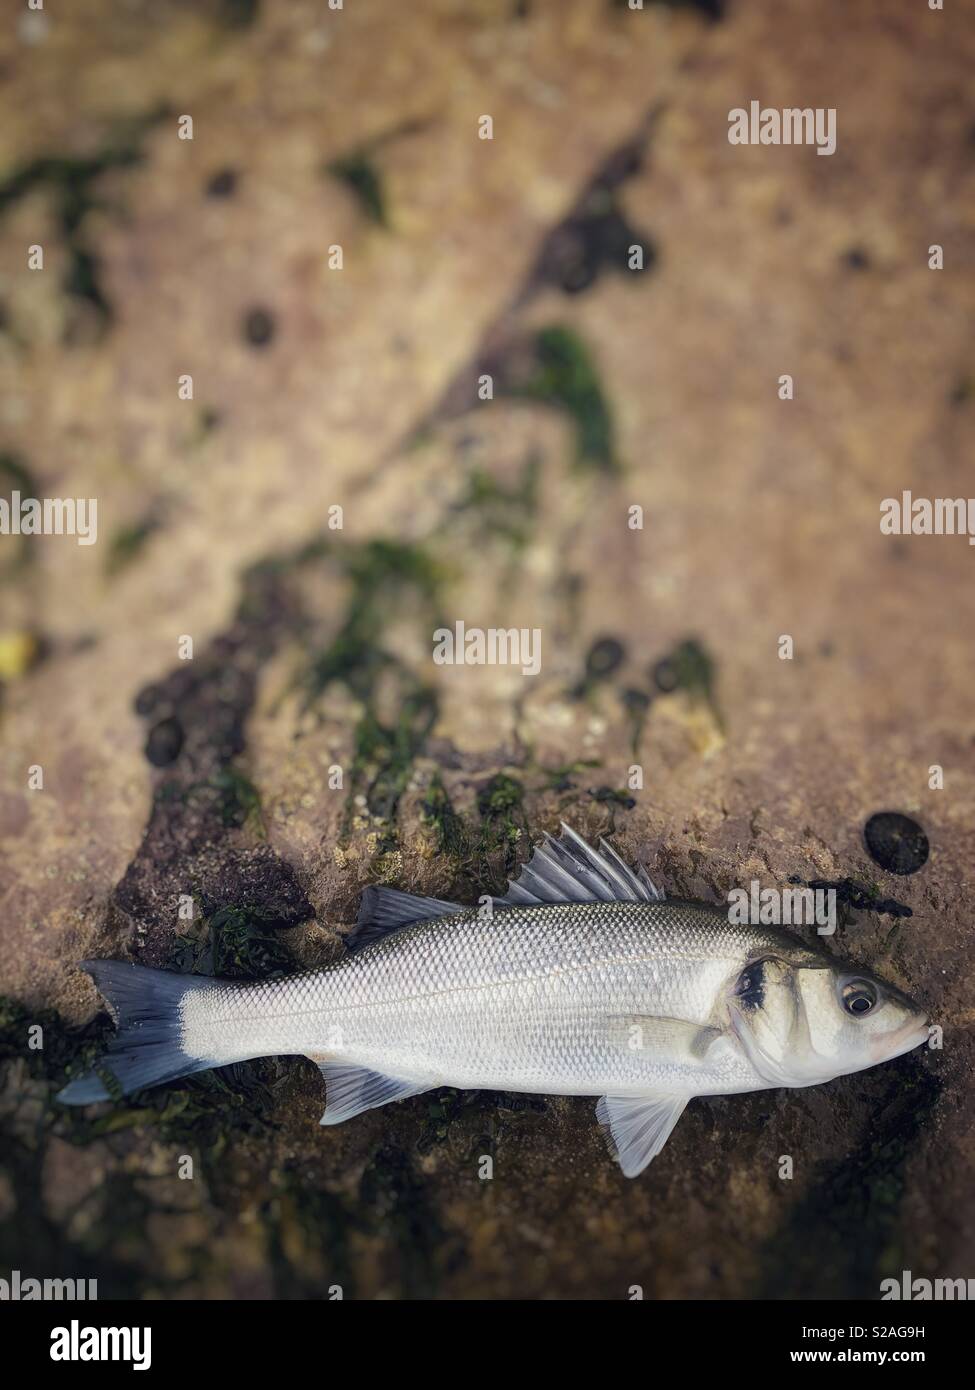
382	575
72	182
361	176
566	378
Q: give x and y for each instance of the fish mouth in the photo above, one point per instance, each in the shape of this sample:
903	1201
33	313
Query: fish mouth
905	1039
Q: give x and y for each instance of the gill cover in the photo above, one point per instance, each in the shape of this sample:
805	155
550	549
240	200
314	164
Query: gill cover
769	1020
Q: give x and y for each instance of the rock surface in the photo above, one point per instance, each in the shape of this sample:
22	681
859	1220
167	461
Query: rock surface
316	388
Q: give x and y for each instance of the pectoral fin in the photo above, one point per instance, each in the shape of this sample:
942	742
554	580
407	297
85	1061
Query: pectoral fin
639	1126
672	1039
349	1090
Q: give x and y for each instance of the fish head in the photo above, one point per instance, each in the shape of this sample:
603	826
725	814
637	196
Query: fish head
803	1024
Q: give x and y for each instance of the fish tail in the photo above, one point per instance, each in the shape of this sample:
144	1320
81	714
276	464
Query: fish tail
148	1047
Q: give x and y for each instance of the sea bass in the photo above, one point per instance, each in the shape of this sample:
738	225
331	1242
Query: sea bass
581	980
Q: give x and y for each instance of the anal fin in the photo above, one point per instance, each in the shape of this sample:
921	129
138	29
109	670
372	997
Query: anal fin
350	1089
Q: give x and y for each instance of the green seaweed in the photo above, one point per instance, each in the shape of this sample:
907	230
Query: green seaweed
499	797
233	943
559	779
381	572
383	575
240	801
128	542
500	802
565	377
506	512
688	667
15	475
232	793
439	813
385	752
359	174
71	181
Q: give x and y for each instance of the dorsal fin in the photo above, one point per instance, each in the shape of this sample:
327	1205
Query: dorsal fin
385	910
567	870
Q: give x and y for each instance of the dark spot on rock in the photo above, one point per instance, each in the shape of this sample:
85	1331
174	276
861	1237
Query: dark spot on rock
665	676
594	235
962	391
618	798
636	701
82	280
578	250
896	842
239	14
856	259
258	327
164	743
712	10
605	655
223	184
603	658
147	700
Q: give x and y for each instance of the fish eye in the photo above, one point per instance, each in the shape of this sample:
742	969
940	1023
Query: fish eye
859	997
750	988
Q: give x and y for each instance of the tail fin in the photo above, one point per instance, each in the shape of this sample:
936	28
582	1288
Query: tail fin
148	1046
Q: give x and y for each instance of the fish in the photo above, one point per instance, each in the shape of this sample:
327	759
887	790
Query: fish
584	979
